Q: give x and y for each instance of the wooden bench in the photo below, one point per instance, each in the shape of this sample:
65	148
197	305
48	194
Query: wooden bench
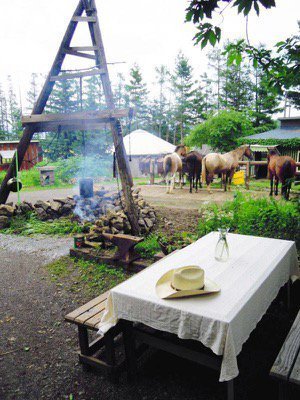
286	368
87	317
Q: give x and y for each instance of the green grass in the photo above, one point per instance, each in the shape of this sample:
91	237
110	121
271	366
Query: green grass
149	247
90	275
28	225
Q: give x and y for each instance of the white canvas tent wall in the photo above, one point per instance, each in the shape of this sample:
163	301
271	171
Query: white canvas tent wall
141	144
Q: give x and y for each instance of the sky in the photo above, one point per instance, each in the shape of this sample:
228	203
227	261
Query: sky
147	32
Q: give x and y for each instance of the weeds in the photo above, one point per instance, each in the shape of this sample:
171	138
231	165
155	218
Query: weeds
29	224
93	276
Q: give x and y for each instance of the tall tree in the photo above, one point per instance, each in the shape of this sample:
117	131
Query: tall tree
138	97
33	91
14	112
184	92
3	115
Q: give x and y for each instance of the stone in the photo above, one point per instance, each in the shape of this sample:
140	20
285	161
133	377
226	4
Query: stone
25	207
66	209
136	190
142	203
4	221
42	204
6	210
55	205
114	231
41	214
62	201
141	222
148	223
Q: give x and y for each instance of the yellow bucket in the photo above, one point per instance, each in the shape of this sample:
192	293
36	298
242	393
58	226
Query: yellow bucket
238	178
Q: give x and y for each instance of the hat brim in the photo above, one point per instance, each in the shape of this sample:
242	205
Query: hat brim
165	290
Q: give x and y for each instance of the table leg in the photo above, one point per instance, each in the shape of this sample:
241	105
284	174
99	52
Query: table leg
230	390
130	351
288	295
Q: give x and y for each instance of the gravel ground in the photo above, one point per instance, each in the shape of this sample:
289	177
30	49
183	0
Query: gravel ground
38	357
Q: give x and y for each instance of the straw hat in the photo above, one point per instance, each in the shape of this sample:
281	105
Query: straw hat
183	282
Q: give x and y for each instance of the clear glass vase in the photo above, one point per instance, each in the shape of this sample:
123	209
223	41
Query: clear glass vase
222	249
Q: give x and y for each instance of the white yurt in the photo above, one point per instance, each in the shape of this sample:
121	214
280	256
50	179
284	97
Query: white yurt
142	147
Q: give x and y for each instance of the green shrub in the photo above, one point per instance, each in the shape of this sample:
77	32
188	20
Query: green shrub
258	217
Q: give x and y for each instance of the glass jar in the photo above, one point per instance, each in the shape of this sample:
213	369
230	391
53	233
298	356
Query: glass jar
222	249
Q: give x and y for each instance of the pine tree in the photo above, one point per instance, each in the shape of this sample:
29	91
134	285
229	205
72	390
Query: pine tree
3	115
33	92
138	97
237	90
184	92
13	112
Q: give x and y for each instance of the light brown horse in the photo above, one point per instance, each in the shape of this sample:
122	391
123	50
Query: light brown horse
225	164
283	169
172	165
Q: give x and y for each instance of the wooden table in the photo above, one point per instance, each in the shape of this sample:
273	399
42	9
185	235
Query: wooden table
209	330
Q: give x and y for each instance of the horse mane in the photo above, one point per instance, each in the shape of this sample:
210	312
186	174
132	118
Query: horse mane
273	152
178	147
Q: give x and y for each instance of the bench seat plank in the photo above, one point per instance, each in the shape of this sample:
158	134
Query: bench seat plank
85	317
74	315
285	360
94	321
295	374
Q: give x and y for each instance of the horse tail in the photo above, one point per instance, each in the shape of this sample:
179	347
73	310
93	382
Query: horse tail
203	175
167	165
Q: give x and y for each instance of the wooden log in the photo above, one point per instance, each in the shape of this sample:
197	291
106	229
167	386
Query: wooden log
92	116
79	54
79	74
84	19
121	156
83	48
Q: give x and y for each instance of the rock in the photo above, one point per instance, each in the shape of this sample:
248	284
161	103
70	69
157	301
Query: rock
141	222
114	231
6	210
41	214
62	201
42	204
142	203
26	207
55	205
148	223
136	190
4	221
66	209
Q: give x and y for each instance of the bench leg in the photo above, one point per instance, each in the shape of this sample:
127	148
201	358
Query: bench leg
83	337
130	353
288	295
230	390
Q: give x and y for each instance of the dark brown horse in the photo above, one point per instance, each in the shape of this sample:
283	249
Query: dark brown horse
192	166
283	169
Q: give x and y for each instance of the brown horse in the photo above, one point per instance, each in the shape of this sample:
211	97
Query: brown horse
193	167
283	169
172	165
225	164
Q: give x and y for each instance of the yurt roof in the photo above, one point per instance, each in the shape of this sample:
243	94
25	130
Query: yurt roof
141	142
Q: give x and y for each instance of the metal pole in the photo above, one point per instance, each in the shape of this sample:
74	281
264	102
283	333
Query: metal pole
17	177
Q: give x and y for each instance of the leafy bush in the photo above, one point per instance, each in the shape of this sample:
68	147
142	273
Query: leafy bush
221	131
249	216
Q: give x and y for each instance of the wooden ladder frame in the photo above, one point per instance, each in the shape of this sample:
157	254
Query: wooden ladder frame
91	17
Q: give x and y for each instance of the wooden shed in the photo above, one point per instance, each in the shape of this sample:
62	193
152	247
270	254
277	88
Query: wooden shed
286	138
33	154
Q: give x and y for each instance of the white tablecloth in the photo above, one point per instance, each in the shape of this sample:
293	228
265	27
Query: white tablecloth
249	280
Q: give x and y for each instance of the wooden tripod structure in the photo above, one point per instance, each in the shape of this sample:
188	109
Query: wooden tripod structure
37	122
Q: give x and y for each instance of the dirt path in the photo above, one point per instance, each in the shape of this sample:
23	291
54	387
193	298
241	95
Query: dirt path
38	357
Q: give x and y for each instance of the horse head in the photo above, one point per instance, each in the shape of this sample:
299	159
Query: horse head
180	150
248	152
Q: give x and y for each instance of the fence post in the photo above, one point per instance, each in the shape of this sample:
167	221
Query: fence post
151	172
247	179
